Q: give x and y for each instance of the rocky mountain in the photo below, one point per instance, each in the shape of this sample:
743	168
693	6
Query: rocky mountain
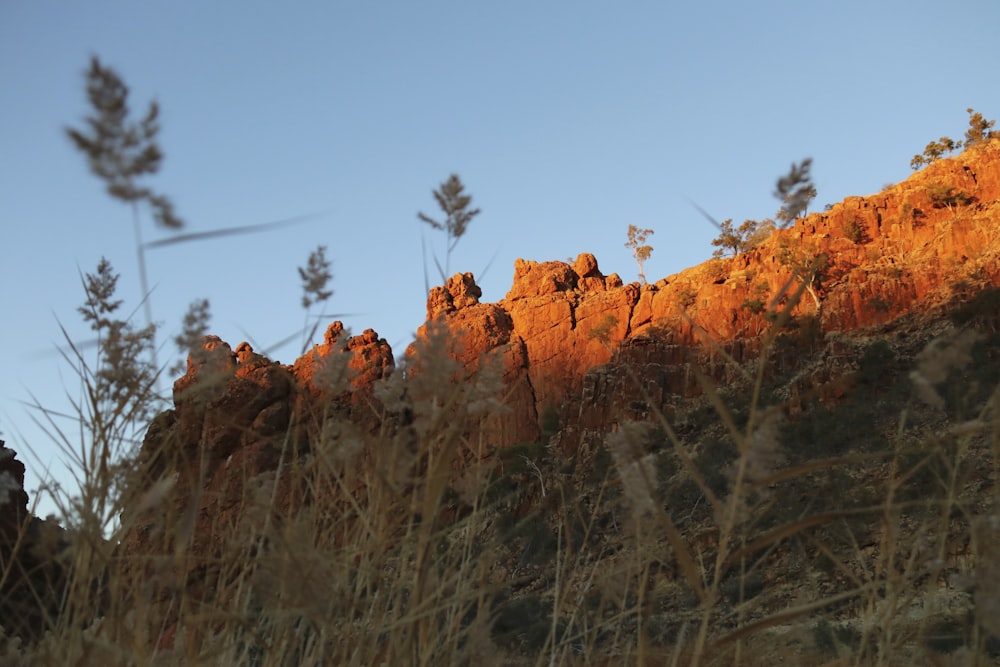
566	331
576	356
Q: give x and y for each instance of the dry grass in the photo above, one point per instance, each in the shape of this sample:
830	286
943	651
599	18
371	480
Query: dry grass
736	537
368	548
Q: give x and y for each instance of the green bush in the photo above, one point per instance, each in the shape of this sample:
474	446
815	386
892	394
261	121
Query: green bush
982	311
942	195
853	231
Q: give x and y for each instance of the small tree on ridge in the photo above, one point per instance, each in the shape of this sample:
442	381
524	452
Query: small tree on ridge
750	234
637	242
980	129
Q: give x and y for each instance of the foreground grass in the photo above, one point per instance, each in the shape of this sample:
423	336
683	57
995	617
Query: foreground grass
746	529
835	504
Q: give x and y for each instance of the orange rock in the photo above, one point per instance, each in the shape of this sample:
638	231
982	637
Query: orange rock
887	255
580	345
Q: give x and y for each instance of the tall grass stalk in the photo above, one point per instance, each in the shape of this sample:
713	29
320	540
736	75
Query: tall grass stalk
405	538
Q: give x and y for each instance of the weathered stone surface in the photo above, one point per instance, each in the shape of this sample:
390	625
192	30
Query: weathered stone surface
887	255
34	576
208	370
534	279
236	418
582	346
568	336
13	498
460	291
590	277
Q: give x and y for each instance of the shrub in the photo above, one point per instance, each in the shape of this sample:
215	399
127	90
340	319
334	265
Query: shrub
756	302
933	151
983	310
980	129
877	364
755	305
909	213
686	296
942	195
737	240
878	304
853	231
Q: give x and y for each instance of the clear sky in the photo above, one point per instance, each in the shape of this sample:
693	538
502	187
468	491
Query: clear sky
566	120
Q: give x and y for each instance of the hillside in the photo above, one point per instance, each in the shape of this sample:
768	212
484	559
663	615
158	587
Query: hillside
790	454
887	255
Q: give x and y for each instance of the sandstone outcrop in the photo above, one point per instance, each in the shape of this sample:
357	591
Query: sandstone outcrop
584	347
572	341
238	416
569	336
573	345
251	444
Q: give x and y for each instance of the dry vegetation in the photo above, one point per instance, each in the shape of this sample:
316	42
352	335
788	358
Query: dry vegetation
759	525
858	532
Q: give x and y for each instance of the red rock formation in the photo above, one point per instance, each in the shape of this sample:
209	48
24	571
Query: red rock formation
370	358
240	406
886	255
237	416
556	322
572	342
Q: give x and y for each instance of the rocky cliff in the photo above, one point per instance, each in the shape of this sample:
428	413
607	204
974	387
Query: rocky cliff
238	415
578	353
567	333
32	570
572	341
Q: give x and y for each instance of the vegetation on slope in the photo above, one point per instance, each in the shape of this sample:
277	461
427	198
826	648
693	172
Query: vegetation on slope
833	504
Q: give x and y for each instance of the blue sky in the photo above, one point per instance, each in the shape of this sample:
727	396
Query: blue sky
567	121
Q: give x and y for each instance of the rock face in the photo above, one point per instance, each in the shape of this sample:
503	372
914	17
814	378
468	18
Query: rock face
34	578
573	345
237	416
571	338
13	498
556	322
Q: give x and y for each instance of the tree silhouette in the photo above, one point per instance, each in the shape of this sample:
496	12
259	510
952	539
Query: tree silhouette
979	130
